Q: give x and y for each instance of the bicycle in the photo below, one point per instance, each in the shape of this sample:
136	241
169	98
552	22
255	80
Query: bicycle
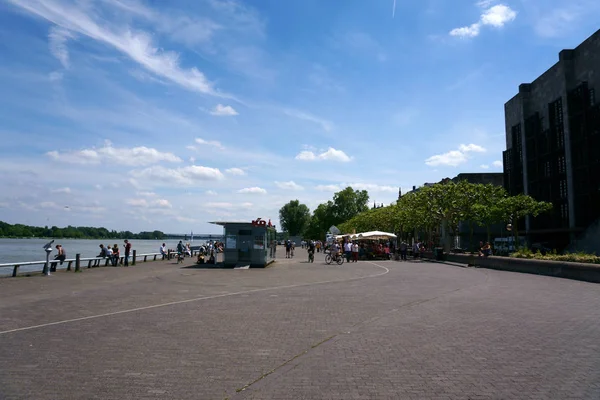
336	257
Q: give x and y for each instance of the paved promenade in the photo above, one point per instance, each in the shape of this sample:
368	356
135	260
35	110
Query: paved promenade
380	330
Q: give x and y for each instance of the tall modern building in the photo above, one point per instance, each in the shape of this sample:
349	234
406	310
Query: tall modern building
553	145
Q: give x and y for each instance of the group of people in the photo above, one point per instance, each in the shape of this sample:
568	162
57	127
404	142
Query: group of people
114	253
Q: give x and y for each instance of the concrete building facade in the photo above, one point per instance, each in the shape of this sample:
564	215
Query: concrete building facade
553	145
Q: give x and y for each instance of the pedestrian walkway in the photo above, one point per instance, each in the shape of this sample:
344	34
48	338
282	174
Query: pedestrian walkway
366	330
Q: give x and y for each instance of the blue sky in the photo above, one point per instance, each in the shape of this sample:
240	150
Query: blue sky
145	115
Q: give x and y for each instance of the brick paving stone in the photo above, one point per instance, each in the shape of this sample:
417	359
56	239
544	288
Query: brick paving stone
420	331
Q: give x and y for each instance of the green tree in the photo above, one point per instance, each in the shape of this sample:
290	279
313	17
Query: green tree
294	217
515	208
347	204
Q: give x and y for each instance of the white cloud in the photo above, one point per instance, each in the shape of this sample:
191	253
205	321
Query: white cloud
328	188
162	203
136	156
137	202
211	193
451	158
137	45
454	158
330	155
326	125
179	176
291	185
143	203
223	111
253	190
65	190
306	156
146	194
466	31
496	16
214	143
484	166
466	148
235	171
57	41
498	164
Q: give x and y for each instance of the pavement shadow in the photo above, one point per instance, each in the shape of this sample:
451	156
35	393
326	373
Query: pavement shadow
204	266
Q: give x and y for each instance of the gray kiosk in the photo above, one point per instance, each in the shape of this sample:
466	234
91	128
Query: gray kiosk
248	243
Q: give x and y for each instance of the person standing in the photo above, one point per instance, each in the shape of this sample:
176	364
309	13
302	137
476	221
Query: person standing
403	250
116	255
355	252
348	250
163	251
127	251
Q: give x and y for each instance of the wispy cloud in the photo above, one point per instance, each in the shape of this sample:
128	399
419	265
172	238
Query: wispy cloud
496	16
325	124
57	39
330	155
136	156
498	164
235	171
137	45
212	143
188	176
223	111
291	185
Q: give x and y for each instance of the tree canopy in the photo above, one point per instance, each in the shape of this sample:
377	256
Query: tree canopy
294	217
345	205
446	205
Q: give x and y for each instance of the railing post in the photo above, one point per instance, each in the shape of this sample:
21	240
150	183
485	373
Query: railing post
155	257
15	270
145	257
89	263
133	260
169	254
77	262
69	265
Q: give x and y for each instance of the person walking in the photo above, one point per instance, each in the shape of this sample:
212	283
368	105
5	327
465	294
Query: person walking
127	252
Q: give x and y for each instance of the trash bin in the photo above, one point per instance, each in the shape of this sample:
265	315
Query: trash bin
438	253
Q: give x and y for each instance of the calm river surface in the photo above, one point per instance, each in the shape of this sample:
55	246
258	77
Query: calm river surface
14	250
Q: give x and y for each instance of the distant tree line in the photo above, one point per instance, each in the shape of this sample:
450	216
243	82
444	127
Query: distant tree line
296	219
72	232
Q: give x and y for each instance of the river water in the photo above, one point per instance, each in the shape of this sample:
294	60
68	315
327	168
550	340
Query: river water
20	250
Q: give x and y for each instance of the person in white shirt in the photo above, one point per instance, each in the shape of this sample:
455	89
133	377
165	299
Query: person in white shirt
348	250
355	252
163	251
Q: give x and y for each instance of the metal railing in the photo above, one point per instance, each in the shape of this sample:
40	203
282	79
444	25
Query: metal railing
78	261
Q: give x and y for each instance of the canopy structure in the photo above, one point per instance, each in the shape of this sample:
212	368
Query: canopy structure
374	235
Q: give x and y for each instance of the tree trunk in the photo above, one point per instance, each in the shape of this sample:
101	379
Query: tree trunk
447	240
470	236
